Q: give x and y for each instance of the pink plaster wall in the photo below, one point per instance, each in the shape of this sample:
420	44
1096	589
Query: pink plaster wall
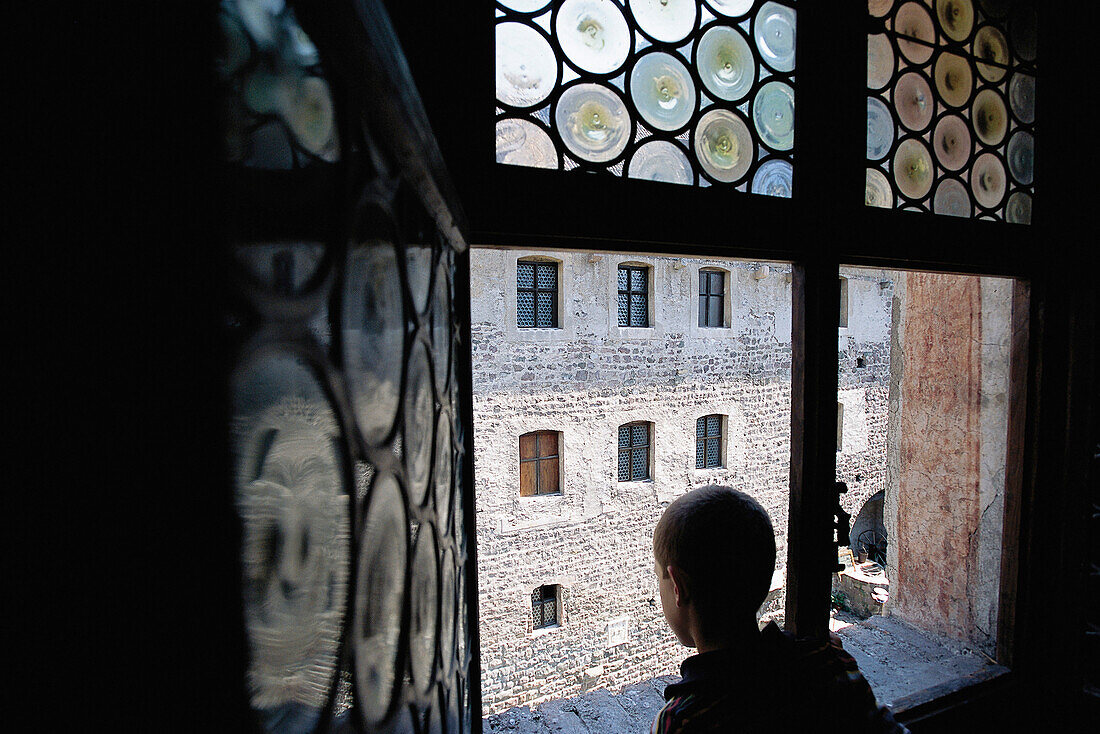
938	500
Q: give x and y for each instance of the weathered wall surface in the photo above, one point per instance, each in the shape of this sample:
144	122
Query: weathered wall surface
944	500
585	379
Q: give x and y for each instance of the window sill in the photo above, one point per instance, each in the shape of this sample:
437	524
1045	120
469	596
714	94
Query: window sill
545	630
538	496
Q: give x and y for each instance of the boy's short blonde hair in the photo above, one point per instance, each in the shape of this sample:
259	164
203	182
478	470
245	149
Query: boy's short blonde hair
723	541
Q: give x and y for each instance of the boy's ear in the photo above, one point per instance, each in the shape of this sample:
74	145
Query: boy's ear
679	585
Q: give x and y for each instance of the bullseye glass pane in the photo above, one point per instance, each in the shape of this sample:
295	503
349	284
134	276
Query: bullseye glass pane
295	544
639	435
639	468
951	117
712	452
629	87
624	466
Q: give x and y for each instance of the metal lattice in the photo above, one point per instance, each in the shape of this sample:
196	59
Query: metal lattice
708	441
681	91
951	107
348	452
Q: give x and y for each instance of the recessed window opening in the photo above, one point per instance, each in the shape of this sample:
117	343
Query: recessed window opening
712	296
634	448
633	302
544	607
539	465
536	294
611	414
708	441
924	554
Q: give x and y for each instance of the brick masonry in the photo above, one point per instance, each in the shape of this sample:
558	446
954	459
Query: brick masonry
589	376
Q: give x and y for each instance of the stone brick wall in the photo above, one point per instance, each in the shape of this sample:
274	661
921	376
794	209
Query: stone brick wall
586	378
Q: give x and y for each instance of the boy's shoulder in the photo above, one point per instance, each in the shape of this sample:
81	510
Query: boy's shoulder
785	684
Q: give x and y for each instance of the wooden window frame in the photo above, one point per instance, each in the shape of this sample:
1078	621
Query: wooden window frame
544	465
535	290
633	295
707	297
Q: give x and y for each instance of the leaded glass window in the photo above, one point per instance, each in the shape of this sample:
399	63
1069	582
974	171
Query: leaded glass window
666	90
711	297
951	107
536	295
544	606
634	444
708	442
633	296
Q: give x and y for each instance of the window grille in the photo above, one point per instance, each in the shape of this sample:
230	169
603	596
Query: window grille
708	442
633	296
684	92
712	285
538	464
544	606
536	295
634	442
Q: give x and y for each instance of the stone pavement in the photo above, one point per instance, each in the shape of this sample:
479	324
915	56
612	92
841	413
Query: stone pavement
903	665
595	712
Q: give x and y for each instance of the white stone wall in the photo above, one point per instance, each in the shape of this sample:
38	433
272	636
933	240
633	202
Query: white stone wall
584	380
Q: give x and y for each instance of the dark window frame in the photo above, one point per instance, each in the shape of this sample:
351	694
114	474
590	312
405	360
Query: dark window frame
631	449
709	439
538	460
535	290
543	599
709	299
633	295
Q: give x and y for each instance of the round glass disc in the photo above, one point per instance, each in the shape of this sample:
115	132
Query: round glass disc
593	34
723	145
990	45
988	180
913	168
951	142
665	20
523	143
1021	95
956	18
954	79
951	199
913	101
880	61
773	178
527	68
726	63
1021	157
774	35
663	91
989	116
878	192
913	22
773	114
1018	209
593	122
730	8
880	129
660	160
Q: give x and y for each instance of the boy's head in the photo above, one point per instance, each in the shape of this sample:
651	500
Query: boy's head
720	547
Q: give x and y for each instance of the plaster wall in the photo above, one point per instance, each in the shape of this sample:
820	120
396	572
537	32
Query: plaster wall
584	380
945	489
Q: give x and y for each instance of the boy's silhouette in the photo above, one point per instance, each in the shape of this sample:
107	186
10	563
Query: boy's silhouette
714	552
